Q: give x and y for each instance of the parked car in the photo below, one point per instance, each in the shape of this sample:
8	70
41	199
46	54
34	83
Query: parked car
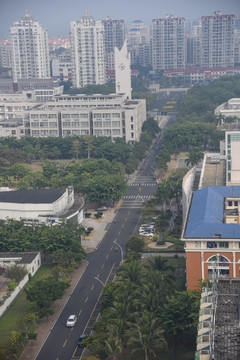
80	340
71	321
102	208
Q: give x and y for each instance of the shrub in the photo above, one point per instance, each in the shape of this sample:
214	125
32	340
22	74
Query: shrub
98	215
135	243
160	242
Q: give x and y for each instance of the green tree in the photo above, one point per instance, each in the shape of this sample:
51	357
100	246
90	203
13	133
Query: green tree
179	313
76	147
146	336
43	293
16	272
164	192
135	243
159	263
194	156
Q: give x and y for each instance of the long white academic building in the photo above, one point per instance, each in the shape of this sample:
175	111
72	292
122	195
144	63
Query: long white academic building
48	112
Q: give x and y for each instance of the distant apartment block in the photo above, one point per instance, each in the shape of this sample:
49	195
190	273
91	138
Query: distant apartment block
217	40
57	43
139	43
61	70
202	75
114	36
87	52
29	49
5	56
168	43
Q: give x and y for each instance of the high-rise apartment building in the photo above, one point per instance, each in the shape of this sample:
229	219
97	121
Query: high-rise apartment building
139	45
194	47
29	49
114	36
5	56
87	52
217	40
168	43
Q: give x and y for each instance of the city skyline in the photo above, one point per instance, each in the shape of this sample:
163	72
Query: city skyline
56	17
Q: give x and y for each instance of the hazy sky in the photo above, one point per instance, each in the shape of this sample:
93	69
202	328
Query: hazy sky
55	15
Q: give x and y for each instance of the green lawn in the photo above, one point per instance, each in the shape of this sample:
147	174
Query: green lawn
18	309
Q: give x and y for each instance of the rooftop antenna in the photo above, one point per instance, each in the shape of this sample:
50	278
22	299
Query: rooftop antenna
27	13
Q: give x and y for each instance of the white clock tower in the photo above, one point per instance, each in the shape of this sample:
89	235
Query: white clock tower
123	71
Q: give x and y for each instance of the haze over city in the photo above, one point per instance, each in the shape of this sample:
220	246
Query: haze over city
56	15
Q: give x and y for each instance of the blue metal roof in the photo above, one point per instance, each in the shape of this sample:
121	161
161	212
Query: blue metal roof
206	213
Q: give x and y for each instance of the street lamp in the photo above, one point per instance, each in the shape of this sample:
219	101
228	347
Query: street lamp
120	250
99	281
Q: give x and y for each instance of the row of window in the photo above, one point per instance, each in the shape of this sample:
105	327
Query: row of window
214	244
75	116
107	132
55	132
106	123
106	115
43	116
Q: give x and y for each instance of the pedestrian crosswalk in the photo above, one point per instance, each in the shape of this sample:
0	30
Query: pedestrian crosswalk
138	197
140	184
134	201
142	181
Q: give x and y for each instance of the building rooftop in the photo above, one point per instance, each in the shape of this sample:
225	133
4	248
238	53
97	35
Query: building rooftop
38	196
227	330
206	214
23	257
213	172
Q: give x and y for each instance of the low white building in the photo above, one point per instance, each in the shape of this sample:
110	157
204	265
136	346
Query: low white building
61	70
231	108
41	205
31	261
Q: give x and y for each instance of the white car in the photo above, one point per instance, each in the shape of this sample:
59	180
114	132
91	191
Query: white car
71	321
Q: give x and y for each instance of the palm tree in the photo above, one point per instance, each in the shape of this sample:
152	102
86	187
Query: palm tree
88	139
131	271
119	315
76	147
194	157
146	336
114	347
159	263
163	193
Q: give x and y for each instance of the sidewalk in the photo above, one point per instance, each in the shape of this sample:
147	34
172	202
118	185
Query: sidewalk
100	228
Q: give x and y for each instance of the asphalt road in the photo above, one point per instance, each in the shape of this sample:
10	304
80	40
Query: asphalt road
61	343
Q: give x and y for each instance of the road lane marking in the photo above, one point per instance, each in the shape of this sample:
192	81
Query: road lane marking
91	317
65	343
122	225
107	256
119	233
110	250
102	266
80	312
92	287
126	219
86	299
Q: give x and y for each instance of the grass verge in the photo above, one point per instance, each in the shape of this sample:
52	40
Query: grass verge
18	309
